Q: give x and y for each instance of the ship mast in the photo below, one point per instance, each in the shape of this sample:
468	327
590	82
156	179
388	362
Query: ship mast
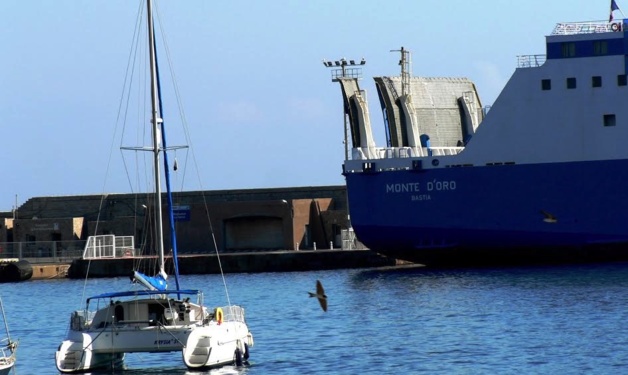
406	69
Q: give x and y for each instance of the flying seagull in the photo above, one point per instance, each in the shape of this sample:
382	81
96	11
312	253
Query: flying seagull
320	295
549	218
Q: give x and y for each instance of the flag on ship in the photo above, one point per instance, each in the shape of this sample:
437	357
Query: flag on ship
614	7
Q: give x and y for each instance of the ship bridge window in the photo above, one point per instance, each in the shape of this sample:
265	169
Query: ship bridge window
609	120
596	81
568	49
622	80
571	83
600	47
546	84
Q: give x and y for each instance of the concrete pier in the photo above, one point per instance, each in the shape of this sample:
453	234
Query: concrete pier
50	271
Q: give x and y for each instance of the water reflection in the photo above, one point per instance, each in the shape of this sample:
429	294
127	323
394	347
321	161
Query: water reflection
390	320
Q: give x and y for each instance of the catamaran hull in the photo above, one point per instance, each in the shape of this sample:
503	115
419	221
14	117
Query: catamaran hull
84	351
5	370
500	213
71	357
209	347
203	347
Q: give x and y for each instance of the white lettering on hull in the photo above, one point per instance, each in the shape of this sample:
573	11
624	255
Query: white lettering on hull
421	197
416	187
403	188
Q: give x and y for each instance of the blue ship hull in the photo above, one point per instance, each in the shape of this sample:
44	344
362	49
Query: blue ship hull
500	213
542	174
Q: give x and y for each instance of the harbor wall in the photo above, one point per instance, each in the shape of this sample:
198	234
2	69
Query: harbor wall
253	262
297	218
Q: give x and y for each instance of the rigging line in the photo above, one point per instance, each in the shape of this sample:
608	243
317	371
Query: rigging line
177	93
189	141
128	90
140	135
136	47
138	222
178	97
130	74
143	131
141	97
171	69
6	325
103	196
132	64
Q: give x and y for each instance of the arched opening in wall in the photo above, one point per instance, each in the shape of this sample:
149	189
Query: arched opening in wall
254	233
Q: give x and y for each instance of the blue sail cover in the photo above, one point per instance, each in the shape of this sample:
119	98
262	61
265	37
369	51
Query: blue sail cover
173	233
156	282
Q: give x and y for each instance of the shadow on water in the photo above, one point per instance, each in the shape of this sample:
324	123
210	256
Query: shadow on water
176	370
610	272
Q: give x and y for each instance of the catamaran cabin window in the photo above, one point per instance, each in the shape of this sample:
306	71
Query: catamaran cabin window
622	80
596	81
546	84
571	83
609	120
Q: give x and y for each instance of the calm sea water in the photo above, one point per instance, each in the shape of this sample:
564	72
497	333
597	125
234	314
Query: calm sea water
541	320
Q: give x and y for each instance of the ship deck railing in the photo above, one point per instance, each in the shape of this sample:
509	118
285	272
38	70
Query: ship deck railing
530	61
338	74
591	27
378	153
442	151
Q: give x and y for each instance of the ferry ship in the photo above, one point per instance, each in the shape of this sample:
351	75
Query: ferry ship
541	175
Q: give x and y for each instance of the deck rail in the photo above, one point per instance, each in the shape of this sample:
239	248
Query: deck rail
376	153
571	28
530	61
233	313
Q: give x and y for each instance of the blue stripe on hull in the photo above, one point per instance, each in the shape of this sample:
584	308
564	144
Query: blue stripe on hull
491	207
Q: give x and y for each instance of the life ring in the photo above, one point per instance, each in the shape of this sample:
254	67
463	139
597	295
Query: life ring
218	315
615	27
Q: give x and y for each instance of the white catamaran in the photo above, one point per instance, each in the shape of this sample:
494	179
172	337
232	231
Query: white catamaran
153	319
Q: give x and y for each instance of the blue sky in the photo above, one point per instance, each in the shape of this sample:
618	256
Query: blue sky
260	106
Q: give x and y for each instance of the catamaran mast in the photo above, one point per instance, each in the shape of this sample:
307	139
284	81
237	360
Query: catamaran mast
156	120
6	325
